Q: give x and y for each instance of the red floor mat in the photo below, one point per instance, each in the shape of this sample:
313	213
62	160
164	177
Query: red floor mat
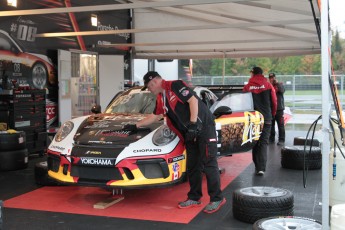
158	204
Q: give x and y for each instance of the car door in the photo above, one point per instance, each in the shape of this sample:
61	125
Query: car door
238	125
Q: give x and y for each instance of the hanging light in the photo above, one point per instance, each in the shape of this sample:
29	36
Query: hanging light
93	19
12	3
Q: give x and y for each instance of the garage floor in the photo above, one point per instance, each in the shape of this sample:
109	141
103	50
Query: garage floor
306	200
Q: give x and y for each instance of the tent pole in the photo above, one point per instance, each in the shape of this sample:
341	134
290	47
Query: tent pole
325	112
223	68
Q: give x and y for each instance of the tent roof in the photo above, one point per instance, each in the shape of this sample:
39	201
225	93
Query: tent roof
231	29
183	29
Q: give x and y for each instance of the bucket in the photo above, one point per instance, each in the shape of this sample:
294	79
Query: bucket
337	184
338	217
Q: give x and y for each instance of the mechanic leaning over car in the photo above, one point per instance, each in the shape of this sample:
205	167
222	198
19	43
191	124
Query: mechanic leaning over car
279	117
192	121
265	101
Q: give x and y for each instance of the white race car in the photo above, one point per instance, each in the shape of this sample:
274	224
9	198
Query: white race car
94	150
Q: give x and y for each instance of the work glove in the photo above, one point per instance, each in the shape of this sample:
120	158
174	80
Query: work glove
130	127
192	132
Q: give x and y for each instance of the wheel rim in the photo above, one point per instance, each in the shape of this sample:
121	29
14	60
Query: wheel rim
39	76
290	223
264	191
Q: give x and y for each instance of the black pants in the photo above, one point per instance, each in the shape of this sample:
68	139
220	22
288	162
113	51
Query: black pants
202	157
279	118
259	151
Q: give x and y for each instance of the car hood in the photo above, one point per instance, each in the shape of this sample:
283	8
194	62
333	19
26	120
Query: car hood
106	129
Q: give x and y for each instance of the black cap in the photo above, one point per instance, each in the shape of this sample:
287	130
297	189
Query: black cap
148	77
271	75
256	70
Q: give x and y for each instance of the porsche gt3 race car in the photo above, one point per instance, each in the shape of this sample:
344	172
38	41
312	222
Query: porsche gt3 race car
94	150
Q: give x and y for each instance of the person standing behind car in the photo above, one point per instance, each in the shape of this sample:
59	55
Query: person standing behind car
193	122
279	117
265	101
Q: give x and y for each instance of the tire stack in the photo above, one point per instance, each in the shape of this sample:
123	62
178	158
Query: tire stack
299	157
13	151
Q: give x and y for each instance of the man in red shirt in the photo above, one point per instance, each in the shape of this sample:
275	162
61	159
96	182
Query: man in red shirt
265	101
193	122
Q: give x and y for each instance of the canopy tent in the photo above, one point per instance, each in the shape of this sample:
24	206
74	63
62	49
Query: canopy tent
184	29
226	29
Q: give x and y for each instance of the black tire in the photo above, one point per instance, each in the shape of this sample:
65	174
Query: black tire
41	175
12	141
303	140
254	203
13	160
287	222
292	157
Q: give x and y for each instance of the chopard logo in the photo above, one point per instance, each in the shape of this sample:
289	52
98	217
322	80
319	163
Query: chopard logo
146	150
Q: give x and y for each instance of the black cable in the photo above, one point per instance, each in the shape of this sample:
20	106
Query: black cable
305	166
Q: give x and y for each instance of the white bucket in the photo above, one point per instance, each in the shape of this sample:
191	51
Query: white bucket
337	186
338	217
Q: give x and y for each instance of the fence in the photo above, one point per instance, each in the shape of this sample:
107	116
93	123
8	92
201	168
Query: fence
302	92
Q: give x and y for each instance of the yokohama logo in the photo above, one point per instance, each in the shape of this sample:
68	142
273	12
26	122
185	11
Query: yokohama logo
95	161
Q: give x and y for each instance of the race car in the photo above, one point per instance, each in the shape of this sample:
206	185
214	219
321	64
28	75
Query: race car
35	70
94	150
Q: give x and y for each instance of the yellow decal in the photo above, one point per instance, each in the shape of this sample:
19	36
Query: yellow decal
252	128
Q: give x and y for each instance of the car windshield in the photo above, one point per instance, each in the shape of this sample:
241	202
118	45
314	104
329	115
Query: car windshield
133	103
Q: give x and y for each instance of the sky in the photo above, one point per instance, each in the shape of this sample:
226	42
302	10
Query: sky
337	15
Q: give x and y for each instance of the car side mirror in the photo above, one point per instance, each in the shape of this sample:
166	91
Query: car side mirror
96	109
222	110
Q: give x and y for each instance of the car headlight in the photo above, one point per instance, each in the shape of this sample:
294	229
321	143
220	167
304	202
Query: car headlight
163	136
64	130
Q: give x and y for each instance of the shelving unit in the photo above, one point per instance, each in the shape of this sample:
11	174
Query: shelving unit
25	110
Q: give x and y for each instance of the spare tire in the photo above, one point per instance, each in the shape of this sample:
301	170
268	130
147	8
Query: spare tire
12	141
13	160
41	175
304	141
254	203
287	222
292	157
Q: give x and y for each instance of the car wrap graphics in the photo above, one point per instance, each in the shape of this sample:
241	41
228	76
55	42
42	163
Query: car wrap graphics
72	161
239	131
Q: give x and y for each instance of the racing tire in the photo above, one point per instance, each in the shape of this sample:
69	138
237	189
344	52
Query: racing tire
12	141
41	175
13	160
308	142
39	75
292	157
287	222
253	203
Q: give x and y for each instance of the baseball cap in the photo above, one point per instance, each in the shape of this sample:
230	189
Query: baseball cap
148	77
271	75
256	70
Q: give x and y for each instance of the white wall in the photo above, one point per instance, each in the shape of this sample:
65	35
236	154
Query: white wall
111	77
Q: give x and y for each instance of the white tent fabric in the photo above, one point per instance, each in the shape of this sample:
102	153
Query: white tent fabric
230	29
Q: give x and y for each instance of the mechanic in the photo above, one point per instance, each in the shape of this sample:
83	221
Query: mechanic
192	121
265	101
279	117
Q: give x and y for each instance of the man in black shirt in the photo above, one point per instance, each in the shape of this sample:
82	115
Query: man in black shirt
192	121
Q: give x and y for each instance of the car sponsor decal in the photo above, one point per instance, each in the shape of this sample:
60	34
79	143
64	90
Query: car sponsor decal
251	130
113	133
175	159
176	167
146	150
55	147
100	142
93	152
97	161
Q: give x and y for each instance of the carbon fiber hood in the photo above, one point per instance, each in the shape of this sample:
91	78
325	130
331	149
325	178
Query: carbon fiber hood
106	129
